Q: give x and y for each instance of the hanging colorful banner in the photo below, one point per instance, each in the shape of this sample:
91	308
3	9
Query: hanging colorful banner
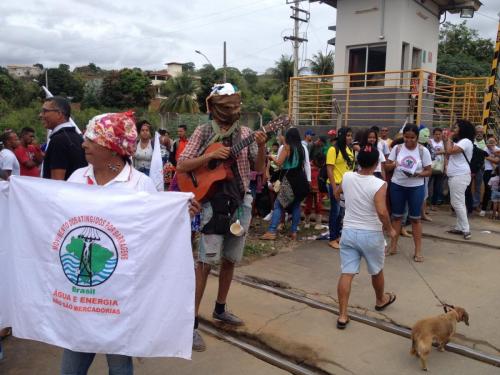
104	270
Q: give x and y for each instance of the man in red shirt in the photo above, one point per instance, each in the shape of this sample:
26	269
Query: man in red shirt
29	155
179	144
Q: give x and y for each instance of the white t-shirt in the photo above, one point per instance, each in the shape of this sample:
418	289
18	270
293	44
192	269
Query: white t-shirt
487	164
129	178
383	150
359	192
383	147
457	164
409	161
9	162
143	156
437	146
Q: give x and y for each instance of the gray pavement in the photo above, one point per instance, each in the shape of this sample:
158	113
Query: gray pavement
458	272
24	357
309	335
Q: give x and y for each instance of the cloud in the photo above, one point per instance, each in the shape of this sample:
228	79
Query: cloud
149	33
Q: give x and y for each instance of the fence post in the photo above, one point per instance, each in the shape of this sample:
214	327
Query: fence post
452	111
347	98
420	96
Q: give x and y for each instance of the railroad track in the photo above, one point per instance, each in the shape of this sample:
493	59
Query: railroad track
264	354
373	322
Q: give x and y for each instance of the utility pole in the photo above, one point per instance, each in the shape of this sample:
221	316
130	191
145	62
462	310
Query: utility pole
296	44
296	38
224	65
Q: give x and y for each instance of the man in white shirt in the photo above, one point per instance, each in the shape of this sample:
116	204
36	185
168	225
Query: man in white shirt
8	161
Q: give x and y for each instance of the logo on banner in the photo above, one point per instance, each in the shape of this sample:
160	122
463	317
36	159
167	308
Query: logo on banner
88	256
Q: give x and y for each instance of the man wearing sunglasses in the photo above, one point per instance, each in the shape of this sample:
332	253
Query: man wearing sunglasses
64	153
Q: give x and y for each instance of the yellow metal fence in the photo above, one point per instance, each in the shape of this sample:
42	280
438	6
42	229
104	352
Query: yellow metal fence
386	98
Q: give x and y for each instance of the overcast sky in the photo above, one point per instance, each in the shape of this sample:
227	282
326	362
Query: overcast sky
149	33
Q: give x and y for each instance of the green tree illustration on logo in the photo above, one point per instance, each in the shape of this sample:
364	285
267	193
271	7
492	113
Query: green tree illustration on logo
93	257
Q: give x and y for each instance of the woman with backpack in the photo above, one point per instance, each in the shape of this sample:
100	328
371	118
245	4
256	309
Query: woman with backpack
459	149
411	163
295	172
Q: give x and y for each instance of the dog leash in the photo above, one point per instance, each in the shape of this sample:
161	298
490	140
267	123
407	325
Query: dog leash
443	304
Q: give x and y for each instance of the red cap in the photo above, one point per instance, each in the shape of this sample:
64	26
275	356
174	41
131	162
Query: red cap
332	132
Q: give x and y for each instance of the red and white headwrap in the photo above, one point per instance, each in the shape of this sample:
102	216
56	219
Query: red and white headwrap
114	131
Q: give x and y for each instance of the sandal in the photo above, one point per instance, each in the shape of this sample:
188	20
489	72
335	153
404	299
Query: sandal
342	325
392	298
418	258
390	253
334	244
455	231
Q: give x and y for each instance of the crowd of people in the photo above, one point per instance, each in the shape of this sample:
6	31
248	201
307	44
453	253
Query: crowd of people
372	184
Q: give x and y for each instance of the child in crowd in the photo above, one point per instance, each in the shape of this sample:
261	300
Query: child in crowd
494	183
315	196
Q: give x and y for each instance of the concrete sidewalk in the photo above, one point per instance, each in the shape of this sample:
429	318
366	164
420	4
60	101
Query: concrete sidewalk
485	232
25	357
458	272
309	335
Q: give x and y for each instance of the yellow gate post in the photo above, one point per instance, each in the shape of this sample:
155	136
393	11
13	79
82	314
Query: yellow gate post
420	96
491	81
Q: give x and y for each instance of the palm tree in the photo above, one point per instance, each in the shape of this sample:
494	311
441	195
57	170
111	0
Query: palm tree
181	92
322	64
282	72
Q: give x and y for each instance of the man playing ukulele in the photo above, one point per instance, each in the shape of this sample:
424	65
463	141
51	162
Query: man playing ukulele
231	201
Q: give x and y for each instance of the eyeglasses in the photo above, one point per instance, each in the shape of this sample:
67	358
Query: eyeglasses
45	110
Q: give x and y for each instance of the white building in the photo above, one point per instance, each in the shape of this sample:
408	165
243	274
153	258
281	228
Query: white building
174	68
390	35
20	71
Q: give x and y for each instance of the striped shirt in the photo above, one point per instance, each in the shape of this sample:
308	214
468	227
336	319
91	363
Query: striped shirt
202	135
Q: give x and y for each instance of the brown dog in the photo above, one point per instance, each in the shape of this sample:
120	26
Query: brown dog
438	328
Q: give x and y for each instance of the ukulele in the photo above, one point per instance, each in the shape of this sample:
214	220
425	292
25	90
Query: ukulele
202	180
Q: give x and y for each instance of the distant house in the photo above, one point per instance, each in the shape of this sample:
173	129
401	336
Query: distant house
24	71
159	76
174	68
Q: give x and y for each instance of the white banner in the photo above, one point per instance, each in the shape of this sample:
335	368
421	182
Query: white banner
5	315
101	270
156	168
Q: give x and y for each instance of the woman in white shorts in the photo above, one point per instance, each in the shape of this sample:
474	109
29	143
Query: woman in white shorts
366	217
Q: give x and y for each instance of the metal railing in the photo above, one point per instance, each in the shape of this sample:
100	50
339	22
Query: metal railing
387	98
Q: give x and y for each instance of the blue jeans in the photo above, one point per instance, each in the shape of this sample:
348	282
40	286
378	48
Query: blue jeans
411	196
77	363
277	212
335	218
478	181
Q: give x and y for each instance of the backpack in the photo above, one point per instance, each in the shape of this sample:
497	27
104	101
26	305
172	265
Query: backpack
476	163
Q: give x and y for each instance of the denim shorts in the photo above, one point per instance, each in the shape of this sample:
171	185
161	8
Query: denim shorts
402	195
495	196
214	246
360	243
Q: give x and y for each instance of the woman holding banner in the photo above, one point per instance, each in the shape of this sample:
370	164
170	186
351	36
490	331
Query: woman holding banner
110	141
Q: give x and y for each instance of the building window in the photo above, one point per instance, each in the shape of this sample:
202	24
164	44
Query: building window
367	59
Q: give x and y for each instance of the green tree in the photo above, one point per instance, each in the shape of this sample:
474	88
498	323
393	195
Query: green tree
92	95
462	52
208	77
16	93
282	72
250	77
181	93
322	64
127	88
188	67
62	82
